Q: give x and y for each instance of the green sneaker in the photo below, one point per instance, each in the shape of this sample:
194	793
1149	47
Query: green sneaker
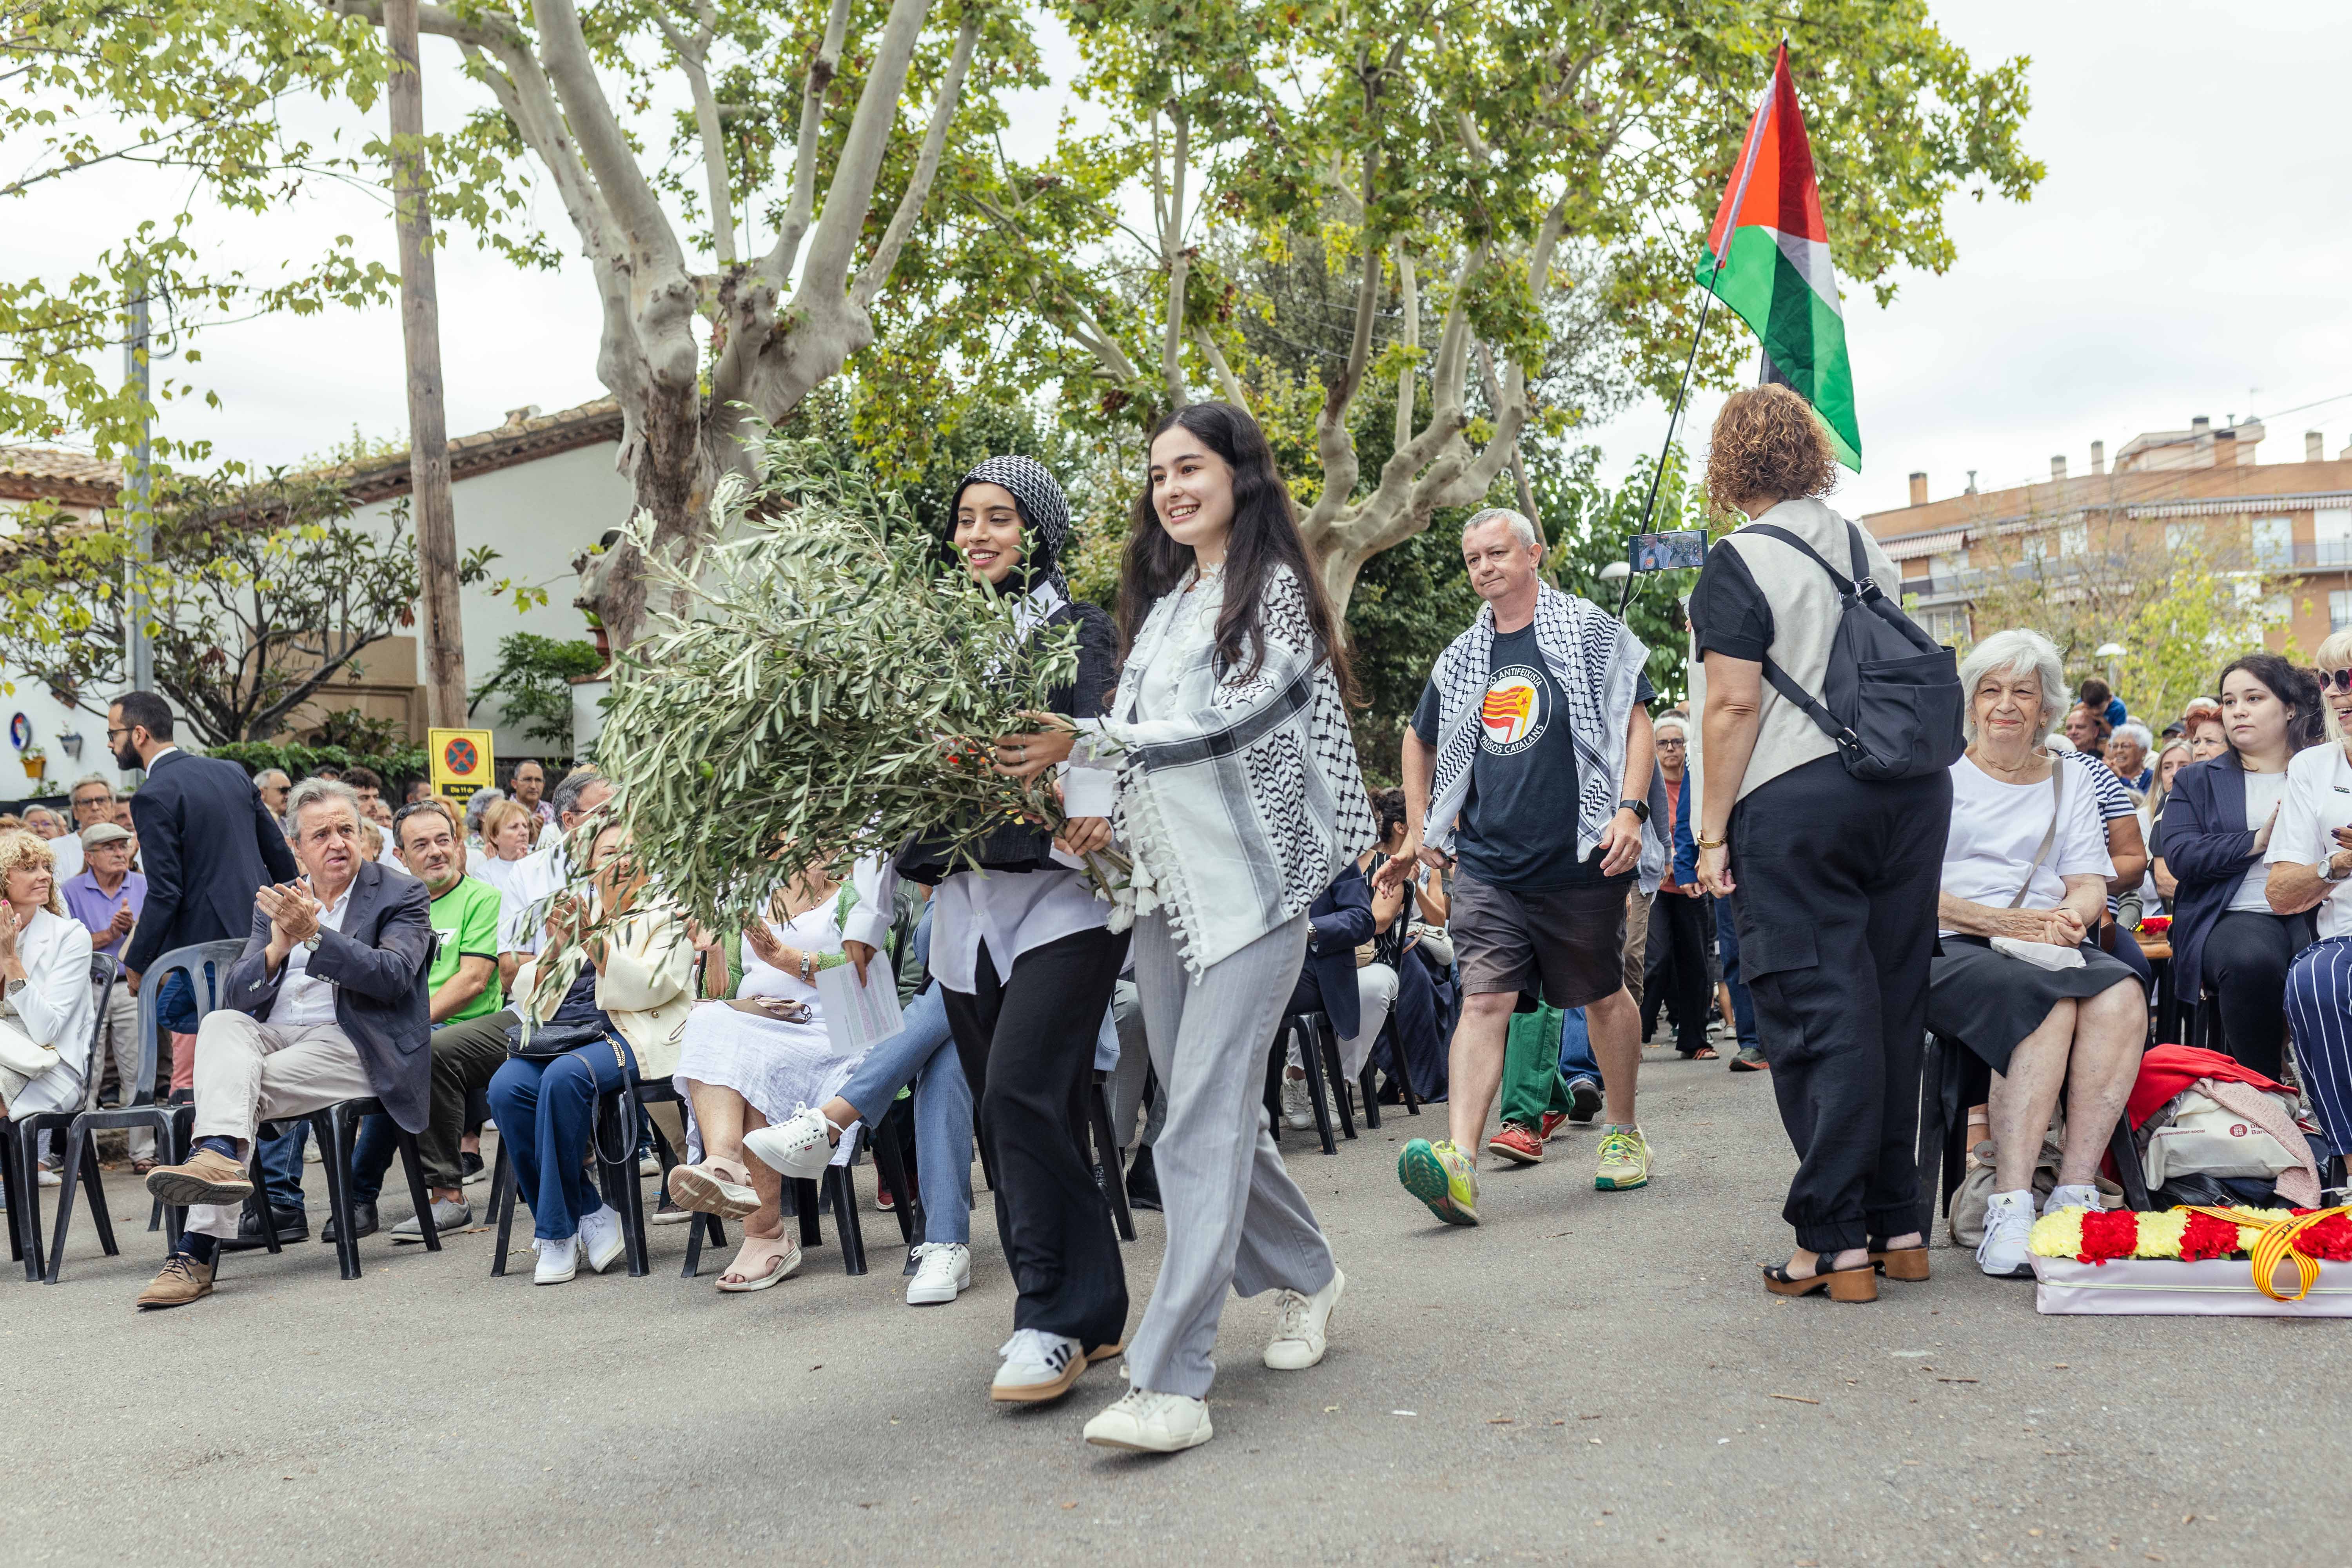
1441	1177
1624	1161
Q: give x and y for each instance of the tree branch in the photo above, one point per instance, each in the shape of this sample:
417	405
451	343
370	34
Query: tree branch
1411	330
1179	265
693	55
571	70
911	201
1226	381
850	197
817	86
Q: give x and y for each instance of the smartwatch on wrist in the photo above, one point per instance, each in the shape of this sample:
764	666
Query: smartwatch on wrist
1640	808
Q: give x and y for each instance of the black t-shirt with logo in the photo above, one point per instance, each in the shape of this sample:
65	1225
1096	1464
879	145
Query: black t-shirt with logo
1517	826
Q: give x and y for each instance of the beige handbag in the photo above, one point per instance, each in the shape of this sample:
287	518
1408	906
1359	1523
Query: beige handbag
22	1056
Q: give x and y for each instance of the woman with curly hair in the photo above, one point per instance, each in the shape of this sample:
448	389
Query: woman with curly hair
1833	878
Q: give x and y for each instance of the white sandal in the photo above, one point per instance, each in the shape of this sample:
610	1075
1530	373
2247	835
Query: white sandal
781	1264
707	1189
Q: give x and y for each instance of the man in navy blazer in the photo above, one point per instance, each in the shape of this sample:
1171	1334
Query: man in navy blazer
206	843
1337	923
327	1003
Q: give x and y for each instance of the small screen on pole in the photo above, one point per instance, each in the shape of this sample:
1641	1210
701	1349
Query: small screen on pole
1682	550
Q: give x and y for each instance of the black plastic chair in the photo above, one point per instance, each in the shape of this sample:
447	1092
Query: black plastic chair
336	1127
24	1136
1319	1054
1110	1173
1952	1079
619	1112
893	1141
80	1167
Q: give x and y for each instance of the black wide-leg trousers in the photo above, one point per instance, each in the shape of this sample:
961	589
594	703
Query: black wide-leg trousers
1027	1044
1836	882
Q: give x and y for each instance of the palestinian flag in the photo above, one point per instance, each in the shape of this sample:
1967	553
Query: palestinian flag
1768	259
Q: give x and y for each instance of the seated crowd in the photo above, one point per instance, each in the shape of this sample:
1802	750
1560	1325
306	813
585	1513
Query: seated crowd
460	970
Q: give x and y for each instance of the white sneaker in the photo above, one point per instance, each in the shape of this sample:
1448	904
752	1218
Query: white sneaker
798	1148
558	1260
601	1239
1038	1366
2081	1197
2009	1221
1299	1340
942	1273
48	1178
1149	1423
1296	1112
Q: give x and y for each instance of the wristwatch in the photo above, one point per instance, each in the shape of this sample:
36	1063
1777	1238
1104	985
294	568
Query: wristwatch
1640	808
312	942
2328	873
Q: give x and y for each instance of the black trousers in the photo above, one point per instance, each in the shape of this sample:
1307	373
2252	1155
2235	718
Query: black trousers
1673	968
1836	907
1027	1045
2245	963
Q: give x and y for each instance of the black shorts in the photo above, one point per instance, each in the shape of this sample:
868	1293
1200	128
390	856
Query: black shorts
1565	944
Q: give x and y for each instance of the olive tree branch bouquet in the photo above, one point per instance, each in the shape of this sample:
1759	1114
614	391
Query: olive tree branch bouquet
823	687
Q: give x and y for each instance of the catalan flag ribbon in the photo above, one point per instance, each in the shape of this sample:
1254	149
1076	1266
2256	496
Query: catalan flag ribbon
1506	708
1768	259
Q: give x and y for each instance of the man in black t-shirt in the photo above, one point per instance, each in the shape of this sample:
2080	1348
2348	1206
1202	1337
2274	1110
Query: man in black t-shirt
1534	721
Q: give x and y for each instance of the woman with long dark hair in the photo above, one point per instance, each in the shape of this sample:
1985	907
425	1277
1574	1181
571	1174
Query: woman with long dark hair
1239	801
2227	941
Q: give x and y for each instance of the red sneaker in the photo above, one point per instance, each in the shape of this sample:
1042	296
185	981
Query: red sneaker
1516	1144
883	1199
1551	1121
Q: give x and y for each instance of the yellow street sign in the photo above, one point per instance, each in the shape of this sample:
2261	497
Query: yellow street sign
462	762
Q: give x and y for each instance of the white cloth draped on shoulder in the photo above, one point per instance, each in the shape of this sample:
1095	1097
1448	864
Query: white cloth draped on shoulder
1240	796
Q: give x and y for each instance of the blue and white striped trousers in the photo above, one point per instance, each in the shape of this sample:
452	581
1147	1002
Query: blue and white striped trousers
2319	1011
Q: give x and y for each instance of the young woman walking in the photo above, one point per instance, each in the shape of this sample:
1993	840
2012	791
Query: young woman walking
1239	800
1025	963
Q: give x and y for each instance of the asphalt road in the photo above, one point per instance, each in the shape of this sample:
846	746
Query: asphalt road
1588	1377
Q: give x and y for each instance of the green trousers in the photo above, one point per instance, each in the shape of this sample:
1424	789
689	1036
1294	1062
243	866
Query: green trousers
1531	1080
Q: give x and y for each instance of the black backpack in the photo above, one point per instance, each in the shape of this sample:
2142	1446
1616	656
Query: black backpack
1891	693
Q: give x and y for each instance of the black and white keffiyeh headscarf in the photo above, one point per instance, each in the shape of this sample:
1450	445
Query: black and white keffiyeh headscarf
1045	517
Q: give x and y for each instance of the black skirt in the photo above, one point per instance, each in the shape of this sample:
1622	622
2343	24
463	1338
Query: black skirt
1989	1001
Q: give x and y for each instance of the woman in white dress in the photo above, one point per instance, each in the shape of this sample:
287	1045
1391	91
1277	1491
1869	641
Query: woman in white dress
46	1002
755	1061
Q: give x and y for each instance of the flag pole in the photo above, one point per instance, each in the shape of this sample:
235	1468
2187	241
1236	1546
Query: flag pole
1649	503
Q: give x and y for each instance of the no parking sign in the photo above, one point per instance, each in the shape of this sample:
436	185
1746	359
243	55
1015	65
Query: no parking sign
461	762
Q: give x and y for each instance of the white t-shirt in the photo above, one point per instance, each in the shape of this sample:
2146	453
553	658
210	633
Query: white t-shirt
2263	791
1996	827
2318	801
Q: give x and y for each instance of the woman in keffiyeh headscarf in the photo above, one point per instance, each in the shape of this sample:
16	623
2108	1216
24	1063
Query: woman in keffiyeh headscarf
1025	962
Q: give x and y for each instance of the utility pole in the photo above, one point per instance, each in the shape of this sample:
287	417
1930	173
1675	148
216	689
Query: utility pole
428	430
141	491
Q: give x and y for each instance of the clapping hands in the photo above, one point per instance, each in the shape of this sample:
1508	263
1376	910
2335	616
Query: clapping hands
293	913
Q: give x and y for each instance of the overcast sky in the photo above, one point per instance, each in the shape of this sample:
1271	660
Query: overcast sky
2181	258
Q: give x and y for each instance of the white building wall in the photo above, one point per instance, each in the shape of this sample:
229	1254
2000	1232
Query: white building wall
537	515
50	720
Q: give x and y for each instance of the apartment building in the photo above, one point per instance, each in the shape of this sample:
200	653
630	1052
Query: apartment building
2166	488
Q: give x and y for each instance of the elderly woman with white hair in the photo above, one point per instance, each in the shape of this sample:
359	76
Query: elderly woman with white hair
2310	865
2016	977
1675	962
46	1009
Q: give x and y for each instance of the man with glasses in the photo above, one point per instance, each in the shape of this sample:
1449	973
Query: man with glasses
1676	956
107	897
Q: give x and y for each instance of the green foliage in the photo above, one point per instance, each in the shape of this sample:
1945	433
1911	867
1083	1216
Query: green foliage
394	765
534	685
828	693
257	594
355	731
1587	524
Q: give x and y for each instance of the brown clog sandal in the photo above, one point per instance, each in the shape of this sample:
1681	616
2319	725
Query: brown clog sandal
1898	1262
1842	1284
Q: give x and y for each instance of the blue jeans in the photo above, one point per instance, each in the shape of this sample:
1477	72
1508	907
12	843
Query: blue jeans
546	1113
1743	1006
1575	1060
281	1167
923	1054
371	1154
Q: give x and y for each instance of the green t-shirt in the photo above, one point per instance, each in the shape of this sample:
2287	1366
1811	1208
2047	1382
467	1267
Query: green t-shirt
466	918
